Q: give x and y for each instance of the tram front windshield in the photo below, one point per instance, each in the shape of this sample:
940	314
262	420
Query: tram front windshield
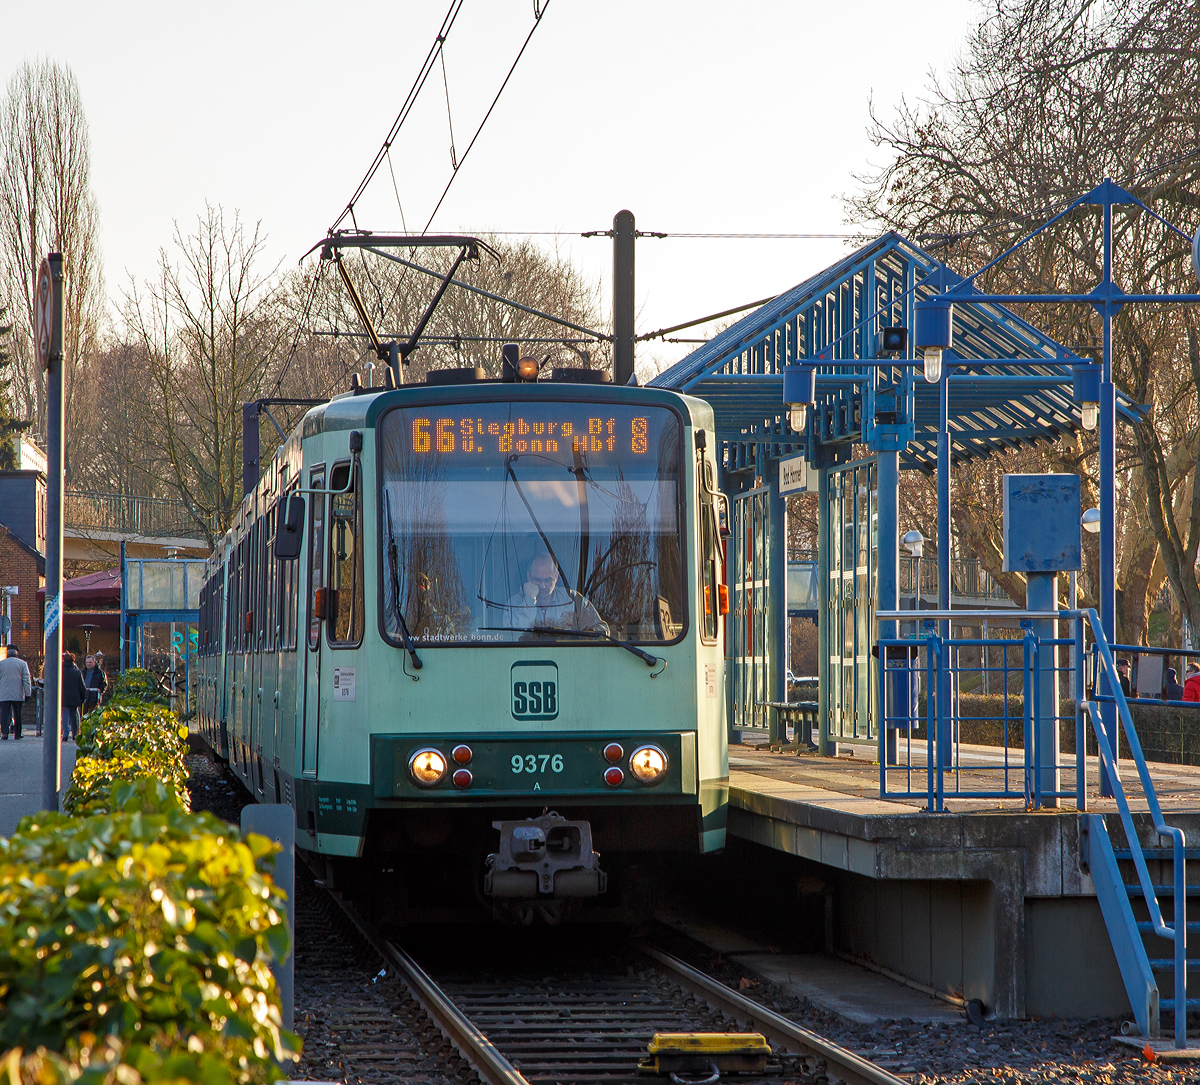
547	522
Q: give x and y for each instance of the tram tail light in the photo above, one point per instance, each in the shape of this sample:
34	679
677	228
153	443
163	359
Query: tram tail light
722	599
462	754
613	752
648	764
462	778
613	776
427	767
320	603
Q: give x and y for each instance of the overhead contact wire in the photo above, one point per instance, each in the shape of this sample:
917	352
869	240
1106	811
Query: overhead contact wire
537	21
409	101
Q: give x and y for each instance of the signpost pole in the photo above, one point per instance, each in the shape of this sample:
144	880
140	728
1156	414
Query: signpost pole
49	329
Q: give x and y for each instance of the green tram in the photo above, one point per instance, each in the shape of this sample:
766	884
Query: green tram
471	632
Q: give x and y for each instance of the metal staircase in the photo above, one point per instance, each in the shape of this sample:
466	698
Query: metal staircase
1124	881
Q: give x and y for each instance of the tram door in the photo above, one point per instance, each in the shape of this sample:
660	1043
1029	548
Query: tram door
238	605
312	648
254	677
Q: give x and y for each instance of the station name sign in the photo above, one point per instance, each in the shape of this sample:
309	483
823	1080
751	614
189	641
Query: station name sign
793	475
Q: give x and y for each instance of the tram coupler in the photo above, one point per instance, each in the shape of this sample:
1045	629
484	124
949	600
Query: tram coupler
545	856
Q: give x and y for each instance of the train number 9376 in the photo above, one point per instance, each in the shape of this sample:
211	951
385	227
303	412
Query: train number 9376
537	762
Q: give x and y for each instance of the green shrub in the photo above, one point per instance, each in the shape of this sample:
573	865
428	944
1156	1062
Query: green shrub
107	1061
139	684
133	727
93	778
150	925
128	740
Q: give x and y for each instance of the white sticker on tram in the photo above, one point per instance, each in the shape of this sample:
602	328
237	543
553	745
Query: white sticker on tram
344	679
710	680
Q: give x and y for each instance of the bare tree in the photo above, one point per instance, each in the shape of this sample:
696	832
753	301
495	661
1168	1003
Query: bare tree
206	335
1048	98
46	204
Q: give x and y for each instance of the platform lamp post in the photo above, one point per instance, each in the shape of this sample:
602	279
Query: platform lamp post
933	320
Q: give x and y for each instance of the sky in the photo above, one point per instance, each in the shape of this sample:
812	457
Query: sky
699	117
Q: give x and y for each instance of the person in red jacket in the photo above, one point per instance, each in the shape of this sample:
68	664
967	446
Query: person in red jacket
1191	686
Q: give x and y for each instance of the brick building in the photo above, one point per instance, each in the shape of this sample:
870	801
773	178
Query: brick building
23	567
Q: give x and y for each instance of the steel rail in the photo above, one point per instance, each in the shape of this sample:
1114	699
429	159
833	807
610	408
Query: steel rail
851	1068
485	1059
493	1068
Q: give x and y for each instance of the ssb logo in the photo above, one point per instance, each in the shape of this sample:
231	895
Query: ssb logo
535	690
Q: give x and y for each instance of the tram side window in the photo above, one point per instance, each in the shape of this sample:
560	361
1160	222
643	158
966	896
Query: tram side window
709	578
316	557
243	594
289	576
218	608
228	601
345	558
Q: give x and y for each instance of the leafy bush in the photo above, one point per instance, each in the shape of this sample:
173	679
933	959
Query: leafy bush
151	925
107	1061
127	740
135	727
139	684
93	778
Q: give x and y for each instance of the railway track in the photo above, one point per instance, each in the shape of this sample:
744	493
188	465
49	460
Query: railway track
593	1027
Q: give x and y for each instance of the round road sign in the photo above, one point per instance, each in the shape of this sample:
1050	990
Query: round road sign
43	314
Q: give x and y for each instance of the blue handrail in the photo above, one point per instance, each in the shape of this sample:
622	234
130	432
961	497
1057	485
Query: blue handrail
1178	932
940	654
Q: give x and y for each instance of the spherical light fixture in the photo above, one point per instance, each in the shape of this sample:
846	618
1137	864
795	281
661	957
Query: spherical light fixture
914	541
1091	521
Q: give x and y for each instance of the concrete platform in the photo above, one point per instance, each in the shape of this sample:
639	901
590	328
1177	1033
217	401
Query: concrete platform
856	995
986	900
21	778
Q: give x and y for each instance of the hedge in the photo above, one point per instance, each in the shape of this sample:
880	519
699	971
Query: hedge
136	937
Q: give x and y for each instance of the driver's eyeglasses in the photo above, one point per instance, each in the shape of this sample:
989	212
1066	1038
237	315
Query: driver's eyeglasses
544	581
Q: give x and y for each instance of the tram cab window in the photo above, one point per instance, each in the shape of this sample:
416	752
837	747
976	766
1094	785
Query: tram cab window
532	522
345	608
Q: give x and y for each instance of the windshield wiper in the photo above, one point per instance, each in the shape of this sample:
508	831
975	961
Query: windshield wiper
394	571
549	630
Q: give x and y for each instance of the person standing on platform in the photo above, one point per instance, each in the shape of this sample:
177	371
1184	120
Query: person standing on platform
15	686
1123	674
95	682
74	693
1191	684
1172	690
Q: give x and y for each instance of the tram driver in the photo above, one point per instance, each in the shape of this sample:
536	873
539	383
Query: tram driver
545	603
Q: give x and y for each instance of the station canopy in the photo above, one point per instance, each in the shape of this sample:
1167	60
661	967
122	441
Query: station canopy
836	319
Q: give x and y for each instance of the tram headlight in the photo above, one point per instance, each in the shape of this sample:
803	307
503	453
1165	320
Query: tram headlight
648	764
427	767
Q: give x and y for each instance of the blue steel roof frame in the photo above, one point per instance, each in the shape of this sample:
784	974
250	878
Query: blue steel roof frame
740	371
